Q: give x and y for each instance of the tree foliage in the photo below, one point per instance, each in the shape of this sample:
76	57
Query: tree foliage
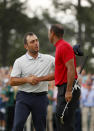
85	18
14	23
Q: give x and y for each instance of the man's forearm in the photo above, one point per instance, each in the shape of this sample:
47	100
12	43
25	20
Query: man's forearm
49	77
17	81
70	79
14	81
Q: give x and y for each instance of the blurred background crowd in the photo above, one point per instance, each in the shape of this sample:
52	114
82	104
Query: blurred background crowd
84	114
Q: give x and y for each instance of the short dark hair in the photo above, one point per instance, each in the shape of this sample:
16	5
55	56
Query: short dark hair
57	29
27	34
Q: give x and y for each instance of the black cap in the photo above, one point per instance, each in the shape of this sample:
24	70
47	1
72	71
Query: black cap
77	50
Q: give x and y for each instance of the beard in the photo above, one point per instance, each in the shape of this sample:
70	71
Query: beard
34	51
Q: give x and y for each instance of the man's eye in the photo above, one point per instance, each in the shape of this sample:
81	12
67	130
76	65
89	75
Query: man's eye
32	41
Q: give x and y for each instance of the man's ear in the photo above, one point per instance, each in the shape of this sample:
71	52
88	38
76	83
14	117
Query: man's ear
25	46
52	33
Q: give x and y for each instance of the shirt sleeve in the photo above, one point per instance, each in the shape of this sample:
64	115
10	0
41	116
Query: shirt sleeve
16	71
67	53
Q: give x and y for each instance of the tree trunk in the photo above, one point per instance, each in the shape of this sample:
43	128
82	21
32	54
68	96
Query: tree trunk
79	23
4	46
4	38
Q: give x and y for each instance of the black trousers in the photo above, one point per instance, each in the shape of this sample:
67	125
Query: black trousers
26	103
69	116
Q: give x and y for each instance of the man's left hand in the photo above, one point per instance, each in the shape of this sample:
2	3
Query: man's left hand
68	96
34	79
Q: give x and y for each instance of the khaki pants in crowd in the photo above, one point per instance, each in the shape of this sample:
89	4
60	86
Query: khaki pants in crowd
28	124
86	111
49	118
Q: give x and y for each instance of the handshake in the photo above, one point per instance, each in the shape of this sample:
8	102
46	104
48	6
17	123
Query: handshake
33	80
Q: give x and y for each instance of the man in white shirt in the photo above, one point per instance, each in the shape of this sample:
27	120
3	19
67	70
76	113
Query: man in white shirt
31	72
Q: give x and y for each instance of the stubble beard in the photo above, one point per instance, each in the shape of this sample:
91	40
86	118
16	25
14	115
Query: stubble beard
33	52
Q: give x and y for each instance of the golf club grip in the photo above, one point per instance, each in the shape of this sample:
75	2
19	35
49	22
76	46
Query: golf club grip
83	64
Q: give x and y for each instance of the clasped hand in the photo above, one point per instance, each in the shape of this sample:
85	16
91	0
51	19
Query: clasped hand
33	80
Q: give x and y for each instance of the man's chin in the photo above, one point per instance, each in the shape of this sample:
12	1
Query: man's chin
36	51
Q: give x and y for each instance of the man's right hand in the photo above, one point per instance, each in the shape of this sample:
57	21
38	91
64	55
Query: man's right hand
33	80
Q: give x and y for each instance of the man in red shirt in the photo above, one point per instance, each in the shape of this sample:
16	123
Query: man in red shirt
65	75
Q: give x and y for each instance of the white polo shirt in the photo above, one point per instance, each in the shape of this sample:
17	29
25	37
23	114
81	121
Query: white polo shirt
27	65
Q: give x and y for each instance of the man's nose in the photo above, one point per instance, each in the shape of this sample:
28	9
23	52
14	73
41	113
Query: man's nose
36	43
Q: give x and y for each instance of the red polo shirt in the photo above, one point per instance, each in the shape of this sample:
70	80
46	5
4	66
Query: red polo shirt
64	53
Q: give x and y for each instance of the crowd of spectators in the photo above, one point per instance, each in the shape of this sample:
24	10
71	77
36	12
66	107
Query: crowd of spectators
7	100
84	114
